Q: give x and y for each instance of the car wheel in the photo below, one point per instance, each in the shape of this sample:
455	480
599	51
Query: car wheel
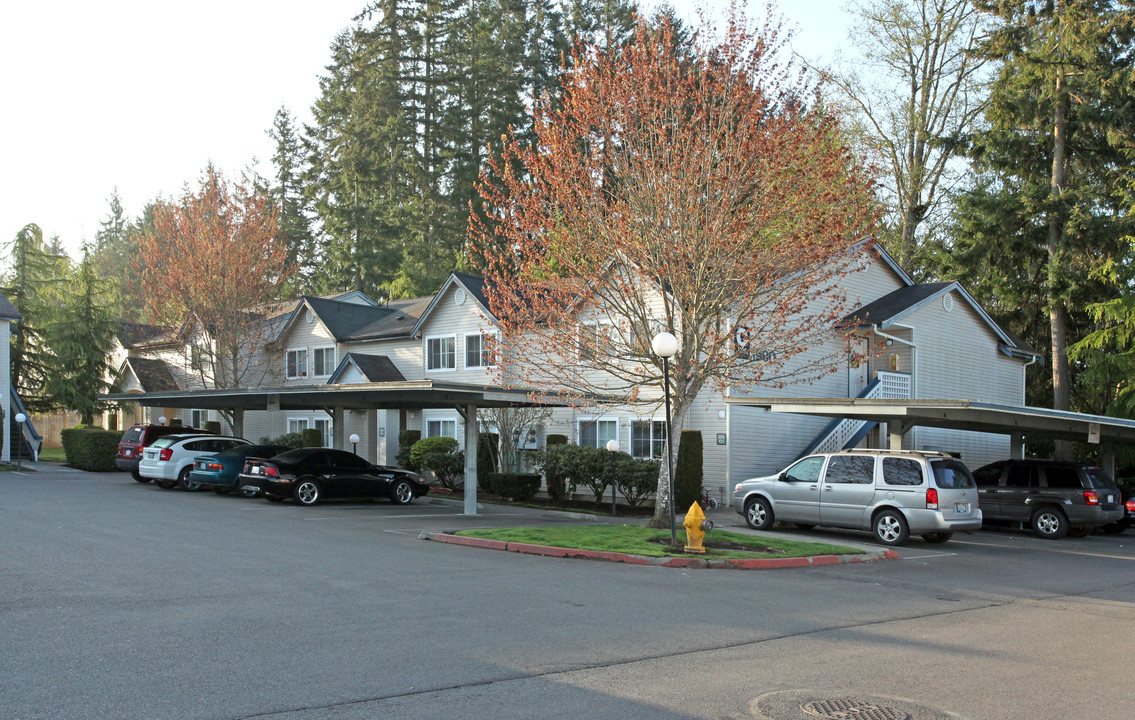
138	476
938	537
1049	523
306	492
164	484
758	514
402	493
1079	532
184	482
890	528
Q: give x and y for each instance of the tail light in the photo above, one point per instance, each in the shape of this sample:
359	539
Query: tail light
1130	505
214	466
165	454
932	499
1091	497
271	471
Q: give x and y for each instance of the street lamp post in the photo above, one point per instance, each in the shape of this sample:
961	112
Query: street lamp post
665	346
613	448
162	420
20	420
354	443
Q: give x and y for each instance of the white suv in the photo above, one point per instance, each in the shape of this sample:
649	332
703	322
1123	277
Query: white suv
892	493
169	459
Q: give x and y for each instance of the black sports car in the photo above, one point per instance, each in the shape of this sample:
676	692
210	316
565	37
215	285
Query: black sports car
309	475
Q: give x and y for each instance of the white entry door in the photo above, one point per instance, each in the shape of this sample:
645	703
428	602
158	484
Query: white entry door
857	377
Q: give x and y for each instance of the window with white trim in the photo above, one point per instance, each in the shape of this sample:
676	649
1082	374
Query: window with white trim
323	425
594	339
297	364
296	425
648	439
198	418
478	350
442	428
596	433
323	361
441	352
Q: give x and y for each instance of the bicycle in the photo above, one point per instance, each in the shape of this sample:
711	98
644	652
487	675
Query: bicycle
708	501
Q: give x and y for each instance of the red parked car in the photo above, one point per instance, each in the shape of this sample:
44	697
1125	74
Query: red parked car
137	437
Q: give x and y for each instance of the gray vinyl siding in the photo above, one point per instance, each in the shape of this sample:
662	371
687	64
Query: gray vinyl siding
451	320
308	336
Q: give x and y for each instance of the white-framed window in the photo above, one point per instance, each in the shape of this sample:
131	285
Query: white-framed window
323	425
296	425
441	352
198	418
443	427
596	433
297	364
648	439
594	339
478	350
323	361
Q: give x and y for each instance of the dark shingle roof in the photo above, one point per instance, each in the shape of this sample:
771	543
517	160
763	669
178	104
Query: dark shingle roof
8	311
892	304
376	368
397	320
153	374
132	335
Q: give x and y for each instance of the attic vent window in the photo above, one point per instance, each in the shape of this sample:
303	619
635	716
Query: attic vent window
947	302
459	297
310	316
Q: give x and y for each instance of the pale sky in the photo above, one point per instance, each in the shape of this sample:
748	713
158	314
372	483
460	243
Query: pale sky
142	95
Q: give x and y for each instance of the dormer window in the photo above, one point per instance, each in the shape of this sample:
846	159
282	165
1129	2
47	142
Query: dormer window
441	353
323	361
478	351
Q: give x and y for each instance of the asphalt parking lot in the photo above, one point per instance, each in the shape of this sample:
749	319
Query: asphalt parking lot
121	600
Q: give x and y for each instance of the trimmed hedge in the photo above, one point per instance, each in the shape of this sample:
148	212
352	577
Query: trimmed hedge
517	486
91	449
406	441
688	478
311	437
556	440
212	426
430	445
487	444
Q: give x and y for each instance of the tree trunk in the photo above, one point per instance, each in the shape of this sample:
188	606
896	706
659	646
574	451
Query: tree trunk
661	517
1057	320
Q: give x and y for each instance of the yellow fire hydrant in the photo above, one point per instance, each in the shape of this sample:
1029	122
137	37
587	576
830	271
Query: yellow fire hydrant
696	526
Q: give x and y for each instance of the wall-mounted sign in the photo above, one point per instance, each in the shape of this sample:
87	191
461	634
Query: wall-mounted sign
720	438
1094	433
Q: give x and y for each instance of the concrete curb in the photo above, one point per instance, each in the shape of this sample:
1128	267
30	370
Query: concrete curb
675	562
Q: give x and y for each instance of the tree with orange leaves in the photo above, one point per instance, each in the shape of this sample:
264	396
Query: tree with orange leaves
211	264
698	189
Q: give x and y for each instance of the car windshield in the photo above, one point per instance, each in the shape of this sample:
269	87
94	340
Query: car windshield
1099	478
951	474
132	435
165	441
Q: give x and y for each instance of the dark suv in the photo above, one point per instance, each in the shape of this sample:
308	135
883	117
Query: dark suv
1055	498
137	437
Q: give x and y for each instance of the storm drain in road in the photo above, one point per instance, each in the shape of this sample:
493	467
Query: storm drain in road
811	704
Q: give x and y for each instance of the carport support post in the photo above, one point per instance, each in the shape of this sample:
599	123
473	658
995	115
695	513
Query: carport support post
338	429
238	423
1107	458
471	459
895	430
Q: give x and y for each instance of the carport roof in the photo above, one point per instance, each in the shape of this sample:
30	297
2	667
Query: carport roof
409	394
957	414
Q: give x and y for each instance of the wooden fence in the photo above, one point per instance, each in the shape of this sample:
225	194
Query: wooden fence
49	426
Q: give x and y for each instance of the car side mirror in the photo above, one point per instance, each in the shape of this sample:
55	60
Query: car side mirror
783	477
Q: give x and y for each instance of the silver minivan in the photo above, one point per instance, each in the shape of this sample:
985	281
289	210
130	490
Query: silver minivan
891	493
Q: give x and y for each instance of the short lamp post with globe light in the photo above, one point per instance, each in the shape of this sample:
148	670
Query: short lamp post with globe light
354	443
20	420
665	346
613	448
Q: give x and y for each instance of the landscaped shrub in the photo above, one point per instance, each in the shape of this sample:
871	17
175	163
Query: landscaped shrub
175	422
688	471
636	479
556	440
487	448
516	486
553	462
448	466
431	445
312	437
577	467
406	441
213	426
292	441
91	448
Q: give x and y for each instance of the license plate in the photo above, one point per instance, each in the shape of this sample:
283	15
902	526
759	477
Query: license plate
257	470
961	508
1111	498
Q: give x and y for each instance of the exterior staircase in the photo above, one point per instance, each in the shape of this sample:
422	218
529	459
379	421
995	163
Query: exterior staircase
25	440
845	433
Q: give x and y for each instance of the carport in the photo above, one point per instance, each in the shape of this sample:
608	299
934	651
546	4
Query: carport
335	400
1017	422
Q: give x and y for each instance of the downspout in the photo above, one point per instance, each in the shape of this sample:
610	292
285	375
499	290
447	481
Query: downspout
1013	442
913	368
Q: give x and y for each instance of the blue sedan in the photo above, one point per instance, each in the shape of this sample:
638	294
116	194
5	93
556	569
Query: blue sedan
220	471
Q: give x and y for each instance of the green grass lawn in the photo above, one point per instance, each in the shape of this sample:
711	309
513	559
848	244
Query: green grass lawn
639	540
51	454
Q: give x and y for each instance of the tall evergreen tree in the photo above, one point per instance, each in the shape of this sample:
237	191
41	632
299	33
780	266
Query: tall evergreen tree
80	333
30	286
293	223
1047	208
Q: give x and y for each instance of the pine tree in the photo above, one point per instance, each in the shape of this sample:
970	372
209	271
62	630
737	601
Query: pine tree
29	287
291	204
80	334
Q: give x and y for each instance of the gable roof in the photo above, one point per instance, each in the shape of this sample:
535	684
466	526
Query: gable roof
133	335
400	321
473	285
897	304
8	311
375	368
153	375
